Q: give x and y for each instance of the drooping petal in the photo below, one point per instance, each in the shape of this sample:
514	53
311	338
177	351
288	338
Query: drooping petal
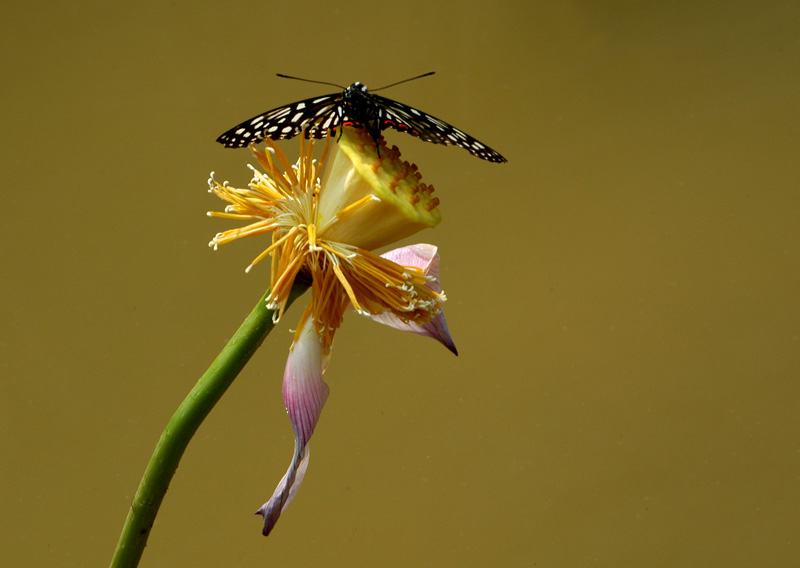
286	490
424	257
304	393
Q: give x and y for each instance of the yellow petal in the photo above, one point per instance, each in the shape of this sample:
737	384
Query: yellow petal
370	201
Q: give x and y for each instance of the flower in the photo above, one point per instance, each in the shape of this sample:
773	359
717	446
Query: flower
325	229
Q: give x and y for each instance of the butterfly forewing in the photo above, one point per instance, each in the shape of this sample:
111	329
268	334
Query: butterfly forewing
404	118
312	116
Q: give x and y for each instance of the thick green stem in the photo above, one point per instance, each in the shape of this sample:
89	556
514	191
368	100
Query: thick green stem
184	423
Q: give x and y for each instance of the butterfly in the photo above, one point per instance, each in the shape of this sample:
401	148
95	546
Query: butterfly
355	106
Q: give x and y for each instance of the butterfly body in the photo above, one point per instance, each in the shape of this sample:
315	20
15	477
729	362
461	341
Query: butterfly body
360	111
357	107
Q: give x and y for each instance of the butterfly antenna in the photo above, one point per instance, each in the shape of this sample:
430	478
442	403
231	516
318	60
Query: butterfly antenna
403	81
309	80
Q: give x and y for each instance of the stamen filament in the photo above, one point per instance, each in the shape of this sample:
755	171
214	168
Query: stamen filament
346	285
275	244
344	212
288	171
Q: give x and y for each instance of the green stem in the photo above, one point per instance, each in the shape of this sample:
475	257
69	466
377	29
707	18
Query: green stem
184	423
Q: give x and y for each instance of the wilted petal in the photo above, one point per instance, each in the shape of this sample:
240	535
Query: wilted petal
424	257
286	490
304	393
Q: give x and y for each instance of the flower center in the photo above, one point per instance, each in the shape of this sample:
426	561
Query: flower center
327	228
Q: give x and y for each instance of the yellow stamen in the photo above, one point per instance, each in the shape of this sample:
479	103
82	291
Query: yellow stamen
346	285
357	205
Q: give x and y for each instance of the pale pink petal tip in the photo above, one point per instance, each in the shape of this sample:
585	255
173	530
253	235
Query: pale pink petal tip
424	257
436	328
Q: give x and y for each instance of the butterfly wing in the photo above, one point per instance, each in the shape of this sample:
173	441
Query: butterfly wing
404	118
313	116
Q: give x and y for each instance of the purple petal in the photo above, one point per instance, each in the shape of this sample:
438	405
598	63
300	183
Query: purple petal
286	490
424	257
304	393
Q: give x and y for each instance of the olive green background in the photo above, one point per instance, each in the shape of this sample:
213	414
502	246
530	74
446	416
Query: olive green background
624	293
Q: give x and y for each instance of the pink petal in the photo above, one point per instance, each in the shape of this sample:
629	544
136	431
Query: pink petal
424	257
304	393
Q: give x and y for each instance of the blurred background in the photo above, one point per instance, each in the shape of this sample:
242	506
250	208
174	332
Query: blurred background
624	293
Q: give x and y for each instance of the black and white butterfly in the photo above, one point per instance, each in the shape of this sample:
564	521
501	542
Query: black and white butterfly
357	107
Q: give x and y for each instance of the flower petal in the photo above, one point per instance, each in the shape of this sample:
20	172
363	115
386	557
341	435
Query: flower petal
304	393
286	490
424	257
371	201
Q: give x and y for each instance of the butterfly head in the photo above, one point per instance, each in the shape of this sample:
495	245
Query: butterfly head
355	90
